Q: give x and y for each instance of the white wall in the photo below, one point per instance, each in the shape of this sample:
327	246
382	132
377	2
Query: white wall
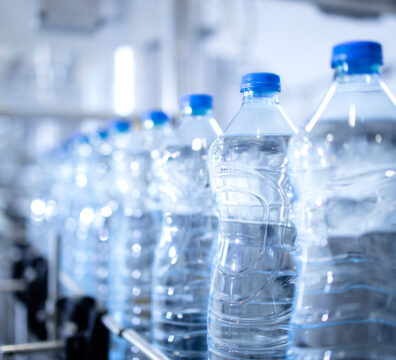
293	40
232	37
142	25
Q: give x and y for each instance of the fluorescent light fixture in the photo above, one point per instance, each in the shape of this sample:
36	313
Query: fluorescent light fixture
124	77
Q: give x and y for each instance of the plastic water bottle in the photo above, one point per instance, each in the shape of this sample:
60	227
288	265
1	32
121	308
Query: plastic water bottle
77	248
63	195
253	272
132	240
67	222
343	170
120	132
181	270
102	207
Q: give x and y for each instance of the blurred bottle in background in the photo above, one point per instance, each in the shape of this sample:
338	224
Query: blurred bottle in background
342	168
77	248
181	270
253	273
134	231
101	204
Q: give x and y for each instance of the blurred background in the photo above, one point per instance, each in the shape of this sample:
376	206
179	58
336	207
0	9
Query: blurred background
83	60
68	65
73	65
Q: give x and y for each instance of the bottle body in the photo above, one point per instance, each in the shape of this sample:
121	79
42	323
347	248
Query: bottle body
182	258
77	215
130	259
181	269
180	296
253	272
342	169
135	226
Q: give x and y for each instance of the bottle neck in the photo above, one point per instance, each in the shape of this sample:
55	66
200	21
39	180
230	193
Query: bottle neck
346	73
188	112
256	97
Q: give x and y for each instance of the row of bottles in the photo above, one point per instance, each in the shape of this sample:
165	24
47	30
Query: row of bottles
260	242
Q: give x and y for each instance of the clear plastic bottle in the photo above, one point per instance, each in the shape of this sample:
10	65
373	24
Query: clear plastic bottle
101	204
343	170
253	272
78	250
181	270
134	236
61	196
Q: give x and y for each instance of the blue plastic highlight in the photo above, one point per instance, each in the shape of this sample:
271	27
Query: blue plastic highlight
260	82
196	102
357	54
103	133
156	116
121	125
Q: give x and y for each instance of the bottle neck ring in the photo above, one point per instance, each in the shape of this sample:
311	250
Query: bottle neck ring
260	97
196	111
344	69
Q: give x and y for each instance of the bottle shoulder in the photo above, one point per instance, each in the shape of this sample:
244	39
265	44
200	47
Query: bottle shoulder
195	131
256	120
354	103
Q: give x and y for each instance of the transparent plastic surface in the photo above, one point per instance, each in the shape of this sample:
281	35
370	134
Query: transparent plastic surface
79	202
253	272
343	171
181	269
134	230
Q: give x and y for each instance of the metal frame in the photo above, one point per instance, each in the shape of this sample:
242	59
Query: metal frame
55	277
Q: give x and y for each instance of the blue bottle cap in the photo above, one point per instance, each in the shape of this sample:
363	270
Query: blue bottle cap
156	116
357	53
260	81
102	133
120	125
196	102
